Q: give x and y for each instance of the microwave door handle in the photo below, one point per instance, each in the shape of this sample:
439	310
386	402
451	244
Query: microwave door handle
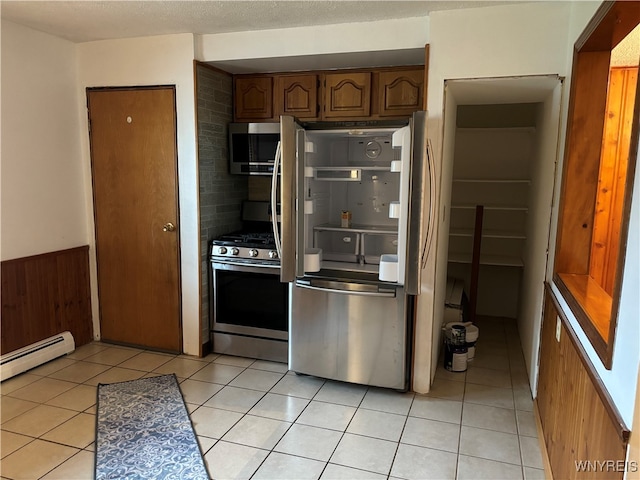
274	199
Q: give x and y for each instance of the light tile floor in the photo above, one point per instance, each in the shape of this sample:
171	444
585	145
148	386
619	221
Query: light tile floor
254	419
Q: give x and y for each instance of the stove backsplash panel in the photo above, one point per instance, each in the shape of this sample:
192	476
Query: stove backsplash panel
221	194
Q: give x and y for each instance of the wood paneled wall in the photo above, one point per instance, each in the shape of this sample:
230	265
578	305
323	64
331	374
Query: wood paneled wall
579	421
613	174
582	161
44	295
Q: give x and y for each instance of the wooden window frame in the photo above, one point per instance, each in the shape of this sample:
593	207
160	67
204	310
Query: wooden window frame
594	308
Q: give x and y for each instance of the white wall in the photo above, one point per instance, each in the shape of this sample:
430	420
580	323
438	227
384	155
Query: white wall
633	453
43	206
160	60
506	40
342	38
538	226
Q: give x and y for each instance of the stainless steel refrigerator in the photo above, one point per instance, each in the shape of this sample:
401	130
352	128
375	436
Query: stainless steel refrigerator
355	215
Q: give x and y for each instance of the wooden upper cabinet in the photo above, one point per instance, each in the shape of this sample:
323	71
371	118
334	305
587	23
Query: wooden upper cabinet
347	95
330	95
253	98
400	93
297	95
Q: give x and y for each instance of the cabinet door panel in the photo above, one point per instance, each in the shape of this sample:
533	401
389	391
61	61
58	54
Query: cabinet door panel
297	95
347	95
253	98
400	93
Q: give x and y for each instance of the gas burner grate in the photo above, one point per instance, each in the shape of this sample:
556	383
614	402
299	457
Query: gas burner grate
241	239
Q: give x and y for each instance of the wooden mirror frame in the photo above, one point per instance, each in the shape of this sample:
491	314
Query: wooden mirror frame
594	308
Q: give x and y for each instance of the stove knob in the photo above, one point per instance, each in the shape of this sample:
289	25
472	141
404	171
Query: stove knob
253	252
235	251
222	250
273	254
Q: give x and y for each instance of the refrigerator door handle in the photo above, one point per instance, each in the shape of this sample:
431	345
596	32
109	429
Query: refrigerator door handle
417	193
288	196
346	288
432	205
274	200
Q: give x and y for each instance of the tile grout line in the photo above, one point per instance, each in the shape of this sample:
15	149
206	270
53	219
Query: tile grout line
227	384
293	423
404	426
510	360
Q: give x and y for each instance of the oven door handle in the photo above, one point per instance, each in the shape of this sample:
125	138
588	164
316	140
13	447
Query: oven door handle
274	199
245	267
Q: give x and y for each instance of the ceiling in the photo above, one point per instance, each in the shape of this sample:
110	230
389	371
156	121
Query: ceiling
85	21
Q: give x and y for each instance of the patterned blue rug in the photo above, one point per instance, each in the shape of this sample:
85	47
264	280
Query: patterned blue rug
144	432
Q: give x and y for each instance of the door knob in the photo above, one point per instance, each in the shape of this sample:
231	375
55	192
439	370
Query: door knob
168	227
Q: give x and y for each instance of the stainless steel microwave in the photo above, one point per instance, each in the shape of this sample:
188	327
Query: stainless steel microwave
252	147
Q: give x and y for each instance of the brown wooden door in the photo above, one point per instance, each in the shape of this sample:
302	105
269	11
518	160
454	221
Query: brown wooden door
297	95
253	98
400	92
347	95
134	167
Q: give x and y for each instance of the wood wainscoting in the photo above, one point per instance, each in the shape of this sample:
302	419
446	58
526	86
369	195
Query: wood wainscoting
580	423
43	295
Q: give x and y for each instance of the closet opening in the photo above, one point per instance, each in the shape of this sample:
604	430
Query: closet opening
500	153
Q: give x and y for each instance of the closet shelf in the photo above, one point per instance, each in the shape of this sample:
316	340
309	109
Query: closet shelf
492	207
492	180
468	232
528	129
494	260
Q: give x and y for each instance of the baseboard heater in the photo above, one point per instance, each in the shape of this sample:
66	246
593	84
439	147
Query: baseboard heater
35	354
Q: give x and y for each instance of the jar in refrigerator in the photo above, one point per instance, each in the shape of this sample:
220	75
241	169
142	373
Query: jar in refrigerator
345	219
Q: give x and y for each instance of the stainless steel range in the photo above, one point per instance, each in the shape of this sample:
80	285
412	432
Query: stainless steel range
250	305
257	248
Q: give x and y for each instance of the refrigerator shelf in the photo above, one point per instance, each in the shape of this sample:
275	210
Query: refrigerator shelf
383	168
352	173
380	229
350	267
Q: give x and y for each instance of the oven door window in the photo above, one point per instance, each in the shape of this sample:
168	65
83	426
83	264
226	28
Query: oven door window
251	300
